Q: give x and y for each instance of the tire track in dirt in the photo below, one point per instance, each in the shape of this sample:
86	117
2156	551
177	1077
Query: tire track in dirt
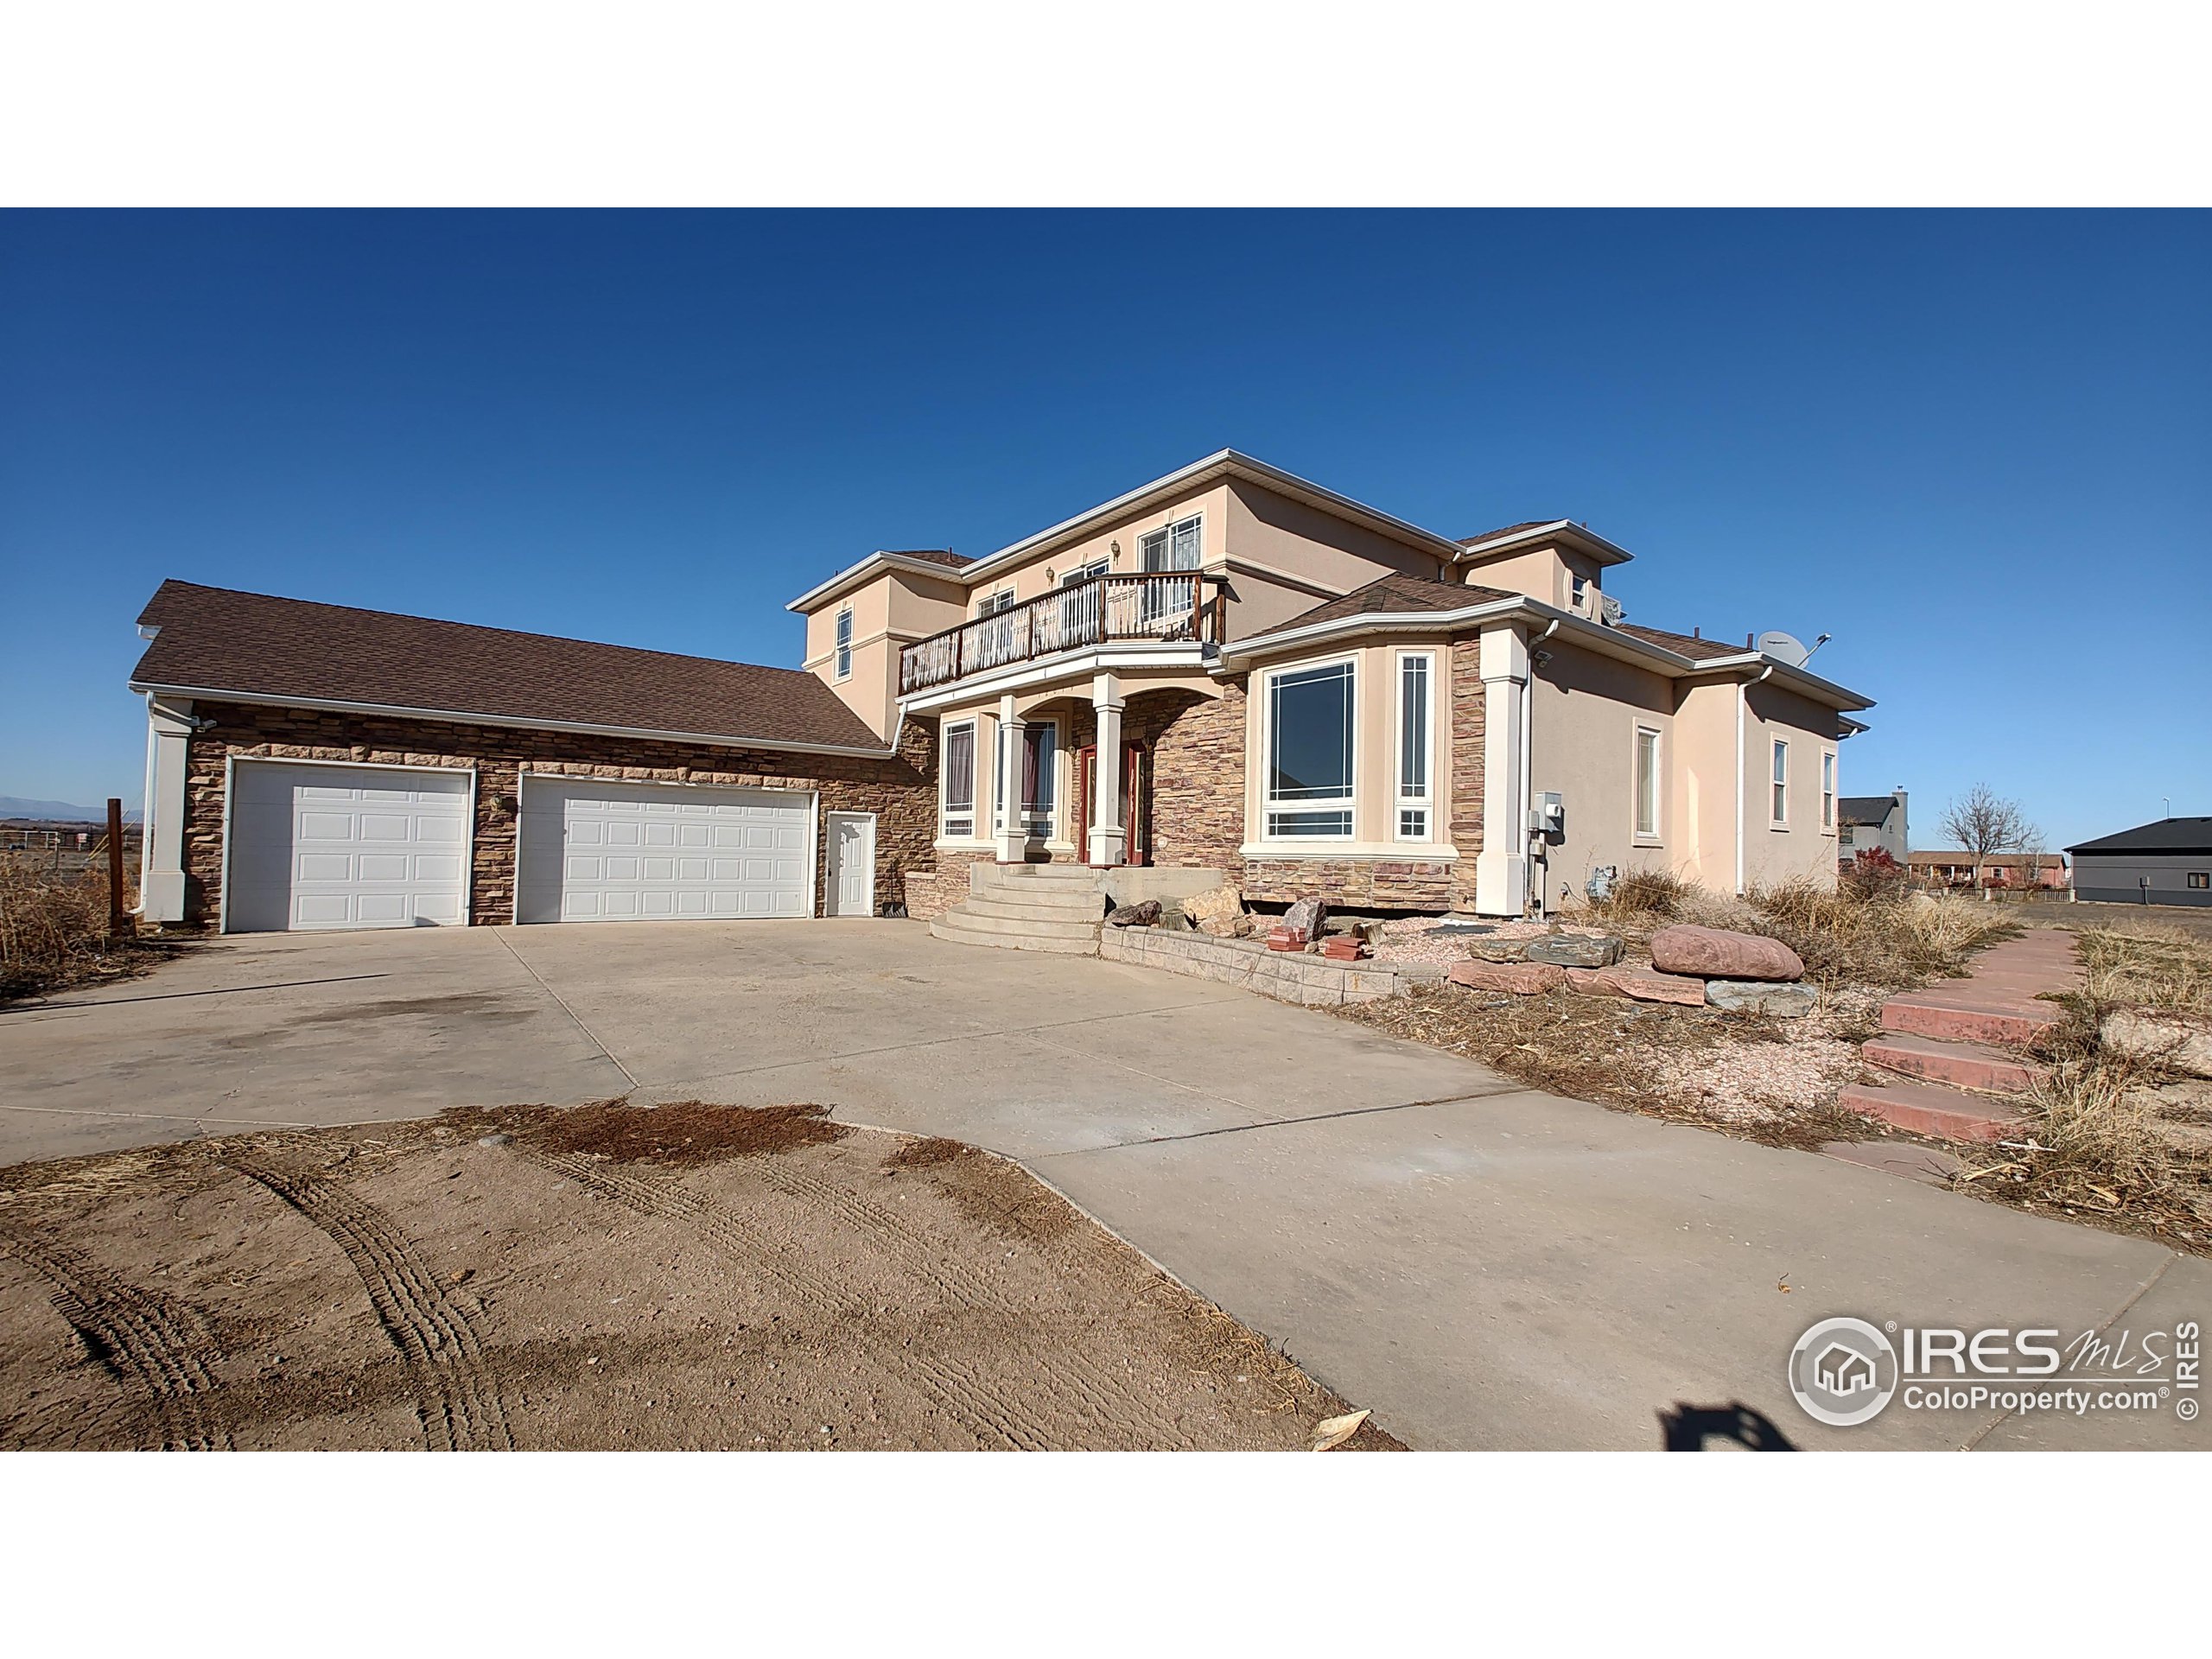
155	1346
456	1394
1064	1370
981	1409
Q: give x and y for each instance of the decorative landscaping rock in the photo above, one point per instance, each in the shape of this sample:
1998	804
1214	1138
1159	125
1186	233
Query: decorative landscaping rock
2184	1046
1589	979
1521	978
1219	912
1174	919
1786	1000
1575	950
1646	986
1144	913
1715	953
1499	949
1302	921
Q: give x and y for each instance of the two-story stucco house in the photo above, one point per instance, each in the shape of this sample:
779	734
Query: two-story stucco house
1230	672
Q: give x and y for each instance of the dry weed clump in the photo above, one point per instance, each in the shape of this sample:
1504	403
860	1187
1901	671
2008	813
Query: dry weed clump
53	927
2096	1139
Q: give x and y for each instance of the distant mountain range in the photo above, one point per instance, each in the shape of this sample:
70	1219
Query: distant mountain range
15	806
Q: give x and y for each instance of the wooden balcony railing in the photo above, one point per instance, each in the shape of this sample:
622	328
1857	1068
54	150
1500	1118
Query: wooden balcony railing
1167	606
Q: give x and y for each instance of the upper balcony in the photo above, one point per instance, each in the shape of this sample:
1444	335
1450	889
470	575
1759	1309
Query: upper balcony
1168	607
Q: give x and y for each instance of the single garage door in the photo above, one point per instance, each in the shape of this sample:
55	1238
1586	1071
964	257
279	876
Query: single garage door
596	851
340	846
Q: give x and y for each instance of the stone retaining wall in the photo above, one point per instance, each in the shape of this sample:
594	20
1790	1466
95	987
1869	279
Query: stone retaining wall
1286	976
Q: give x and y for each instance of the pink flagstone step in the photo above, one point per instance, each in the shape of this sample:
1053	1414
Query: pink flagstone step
1924	1013
1927	1110
1957	1065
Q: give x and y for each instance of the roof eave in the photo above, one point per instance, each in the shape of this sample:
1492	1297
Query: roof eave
855	575
1559	529
398	711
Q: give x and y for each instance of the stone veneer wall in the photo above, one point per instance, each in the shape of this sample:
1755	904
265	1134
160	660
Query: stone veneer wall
1468	715
931	891
901	791
1197	771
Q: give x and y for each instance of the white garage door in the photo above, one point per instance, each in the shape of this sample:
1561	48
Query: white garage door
336	847
596	851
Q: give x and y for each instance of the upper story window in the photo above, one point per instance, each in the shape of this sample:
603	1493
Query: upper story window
1416	702
845	644
1309	752
1779	808
1175	548
992	604
959	774
1827	790
1581	594
1647	782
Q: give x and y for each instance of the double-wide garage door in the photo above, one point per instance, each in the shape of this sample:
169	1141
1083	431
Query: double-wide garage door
340	846
594	851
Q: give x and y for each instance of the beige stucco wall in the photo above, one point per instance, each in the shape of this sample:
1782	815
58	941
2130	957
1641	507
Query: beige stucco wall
890	612
1375	757
1701	785
1805	846
1041	573
1544	573
1584	710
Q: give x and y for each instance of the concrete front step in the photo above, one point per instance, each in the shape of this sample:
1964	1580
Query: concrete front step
1927	1110
1042	875
948	927
1965	1019
965	917
1957	1065
1045	906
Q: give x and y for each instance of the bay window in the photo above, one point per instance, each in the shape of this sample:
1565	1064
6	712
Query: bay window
1309	752
1416	695
958	773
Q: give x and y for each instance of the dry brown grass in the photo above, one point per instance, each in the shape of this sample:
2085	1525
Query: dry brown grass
2094	1141
53	928
1871	934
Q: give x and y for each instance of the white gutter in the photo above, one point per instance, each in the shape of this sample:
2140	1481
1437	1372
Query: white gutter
721	740
1742	688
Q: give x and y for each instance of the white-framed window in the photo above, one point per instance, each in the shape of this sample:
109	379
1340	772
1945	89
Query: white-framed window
957	770
1174	547
1647	783
1581	594
1778	808
1309	752
845	644
1040	760
1416	727
1828	789
992	604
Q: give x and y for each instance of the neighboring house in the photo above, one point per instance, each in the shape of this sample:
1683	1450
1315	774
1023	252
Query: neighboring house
2168	862
1229	669
1873	822
1954	868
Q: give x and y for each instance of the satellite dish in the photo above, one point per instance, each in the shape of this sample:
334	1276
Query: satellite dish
1785	648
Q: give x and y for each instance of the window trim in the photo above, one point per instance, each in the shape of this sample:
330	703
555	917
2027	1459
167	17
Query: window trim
1829	784
1655	836
1402	803
841	645
996	602
1167	529
1777	794
1348	804
944	812
2198	881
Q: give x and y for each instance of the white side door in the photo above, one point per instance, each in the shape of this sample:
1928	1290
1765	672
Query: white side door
852	864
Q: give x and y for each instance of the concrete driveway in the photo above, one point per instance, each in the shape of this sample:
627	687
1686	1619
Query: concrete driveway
1485	1265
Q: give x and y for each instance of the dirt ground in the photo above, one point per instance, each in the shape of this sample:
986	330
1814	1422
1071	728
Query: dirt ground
611	1277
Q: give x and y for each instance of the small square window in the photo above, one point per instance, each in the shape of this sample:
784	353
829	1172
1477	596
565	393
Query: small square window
1413	824
2199	879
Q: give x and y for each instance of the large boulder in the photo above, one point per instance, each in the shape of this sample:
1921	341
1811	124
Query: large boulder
1646	986
2186	1045
1143	914
1302	921
1783	999
1485	949
1521	978
1716	953
1218	910
1575	950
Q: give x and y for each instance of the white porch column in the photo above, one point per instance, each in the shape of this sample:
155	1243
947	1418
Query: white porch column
1013	844
1501	867
1106	832
161	879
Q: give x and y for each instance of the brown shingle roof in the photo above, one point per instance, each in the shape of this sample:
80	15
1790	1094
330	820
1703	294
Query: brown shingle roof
1395	594
933	554
1508	529
1683	645
216	639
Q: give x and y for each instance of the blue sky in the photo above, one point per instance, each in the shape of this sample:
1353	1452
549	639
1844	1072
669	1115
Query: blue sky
1973	446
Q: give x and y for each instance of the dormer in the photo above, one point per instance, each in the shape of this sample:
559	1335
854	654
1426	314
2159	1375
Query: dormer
1555	561
859	620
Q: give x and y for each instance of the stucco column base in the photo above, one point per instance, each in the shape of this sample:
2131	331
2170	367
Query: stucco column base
160	881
